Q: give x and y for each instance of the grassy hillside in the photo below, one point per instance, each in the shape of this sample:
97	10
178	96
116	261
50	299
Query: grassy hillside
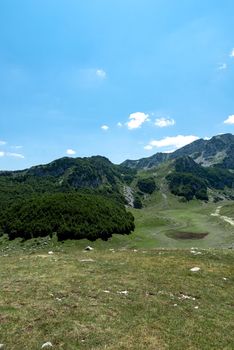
114	299
131	292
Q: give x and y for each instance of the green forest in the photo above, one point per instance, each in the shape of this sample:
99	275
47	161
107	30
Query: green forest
68	215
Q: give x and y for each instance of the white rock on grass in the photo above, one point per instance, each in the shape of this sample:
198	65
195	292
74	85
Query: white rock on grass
124	292
2	346
195	269
88	248
50	252
47	345
184	297
195	252
86	260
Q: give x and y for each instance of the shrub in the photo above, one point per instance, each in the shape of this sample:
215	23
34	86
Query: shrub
146	185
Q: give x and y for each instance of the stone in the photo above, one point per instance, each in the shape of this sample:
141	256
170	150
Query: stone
47	345
195	269
2	346
50	252
86	260
88	248
124	292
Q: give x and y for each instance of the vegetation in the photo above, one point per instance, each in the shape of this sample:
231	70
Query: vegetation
137	203
187	185
70	216
73	299
146	185
192	180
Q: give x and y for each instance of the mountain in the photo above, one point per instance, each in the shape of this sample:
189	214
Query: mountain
72	197
73	173
194	171
90	172
216	152
189	179
146	163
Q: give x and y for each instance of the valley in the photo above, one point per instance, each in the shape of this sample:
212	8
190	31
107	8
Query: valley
101	256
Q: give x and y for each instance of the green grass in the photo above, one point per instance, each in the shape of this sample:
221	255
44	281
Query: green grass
61	299
228	210
164	216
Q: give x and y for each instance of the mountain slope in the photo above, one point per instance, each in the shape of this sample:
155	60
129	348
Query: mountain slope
218	152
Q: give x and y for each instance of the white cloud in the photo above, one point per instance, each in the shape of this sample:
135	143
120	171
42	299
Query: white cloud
70	152
15	155
229	120
119	125
2	143
148	147
164	122
232	53
100	73
175	142
105	127
136	120
10	154
222	66
17	147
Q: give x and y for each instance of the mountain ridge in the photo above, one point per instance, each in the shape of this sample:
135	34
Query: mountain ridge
209	163
217	151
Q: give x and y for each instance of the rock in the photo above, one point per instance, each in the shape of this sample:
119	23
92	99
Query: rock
2	346
50	252
195	307
184	297
47	345
124	292
195	269
88	248
106	291
86	260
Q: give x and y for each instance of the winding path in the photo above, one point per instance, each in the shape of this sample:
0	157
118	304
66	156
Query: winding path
225	218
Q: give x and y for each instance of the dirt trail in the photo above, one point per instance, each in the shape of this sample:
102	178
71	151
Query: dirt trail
225	218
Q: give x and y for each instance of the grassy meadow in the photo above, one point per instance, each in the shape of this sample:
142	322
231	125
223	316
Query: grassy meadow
131	292
115	299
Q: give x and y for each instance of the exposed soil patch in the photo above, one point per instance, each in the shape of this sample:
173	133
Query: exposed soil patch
187	235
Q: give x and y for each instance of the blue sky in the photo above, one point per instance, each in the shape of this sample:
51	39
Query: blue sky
121	78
